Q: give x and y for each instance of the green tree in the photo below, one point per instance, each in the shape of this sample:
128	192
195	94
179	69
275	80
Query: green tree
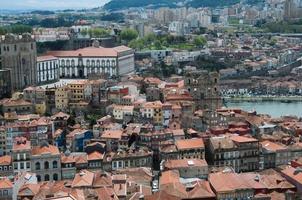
157	45
99	32
84	32
200	41
129	34
137	44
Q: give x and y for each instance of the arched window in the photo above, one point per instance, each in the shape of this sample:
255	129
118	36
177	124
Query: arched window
46	165
92	63
103	63
68	63
98	63
63	62
46	177
113	63
55	164
108	63
38	166
55	177
88	63
38	178
72	63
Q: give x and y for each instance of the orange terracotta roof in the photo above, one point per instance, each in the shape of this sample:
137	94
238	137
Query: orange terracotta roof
170	176
112	134
178	132
293	173
185	163
5	160
81	159
46	149
162	195
189	144
21	143
242	139
61	115
83	179
202	190
90	52
271	146
227	182
95	156
5	183
67	159
33	188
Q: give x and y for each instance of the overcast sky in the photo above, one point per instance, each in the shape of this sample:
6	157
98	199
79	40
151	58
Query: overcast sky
50	4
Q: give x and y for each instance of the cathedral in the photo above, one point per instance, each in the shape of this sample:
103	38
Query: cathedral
18	54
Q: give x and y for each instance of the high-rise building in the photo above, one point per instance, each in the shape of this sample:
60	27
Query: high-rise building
18	53
293	9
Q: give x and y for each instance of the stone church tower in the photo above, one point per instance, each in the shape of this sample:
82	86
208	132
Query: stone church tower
204	88
19	54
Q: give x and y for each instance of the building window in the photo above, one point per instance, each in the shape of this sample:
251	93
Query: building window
46	165
55	164
38	178
46	177
55	177
38	166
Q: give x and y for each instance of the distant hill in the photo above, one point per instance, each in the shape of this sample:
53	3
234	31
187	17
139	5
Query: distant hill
122	4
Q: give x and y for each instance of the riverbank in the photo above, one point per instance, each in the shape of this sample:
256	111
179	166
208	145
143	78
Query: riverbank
283	99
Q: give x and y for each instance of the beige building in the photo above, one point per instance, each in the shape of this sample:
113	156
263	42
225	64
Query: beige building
18	53
119	111
77	89
62	97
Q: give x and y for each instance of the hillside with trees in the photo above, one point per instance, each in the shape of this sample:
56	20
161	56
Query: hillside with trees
122	4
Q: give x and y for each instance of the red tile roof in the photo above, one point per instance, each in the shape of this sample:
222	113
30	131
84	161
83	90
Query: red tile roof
91	52
185	163
83	179
189	144
5	160
95	156
5	183
227	182
271	146
46	149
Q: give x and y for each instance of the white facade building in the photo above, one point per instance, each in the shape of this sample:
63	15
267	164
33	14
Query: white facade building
95	60
47	69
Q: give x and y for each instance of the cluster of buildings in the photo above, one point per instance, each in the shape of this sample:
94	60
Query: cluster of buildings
22	67
155	139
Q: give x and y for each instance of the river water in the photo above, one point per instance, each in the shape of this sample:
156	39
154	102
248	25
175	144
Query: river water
273	108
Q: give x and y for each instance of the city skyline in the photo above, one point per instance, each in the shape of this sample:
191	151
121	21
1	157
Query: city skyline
50	4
